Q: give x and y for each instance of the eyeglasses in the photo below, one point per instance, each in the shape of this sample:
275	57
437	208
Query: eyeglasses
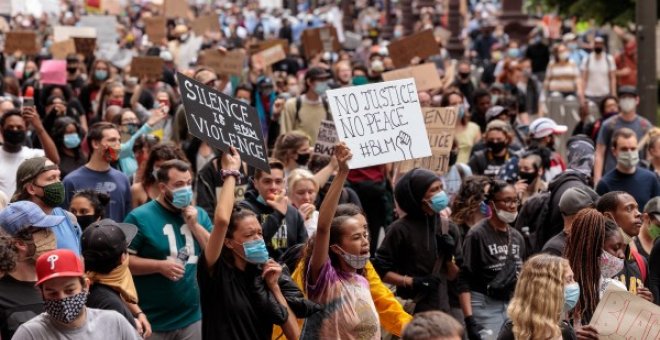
211	82
510	202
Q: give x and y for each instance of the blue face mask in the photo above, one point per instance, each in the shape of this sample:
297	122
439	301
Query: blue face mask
461	112
571	296
182	197
255	251
100	74
439	202
71	140
320	88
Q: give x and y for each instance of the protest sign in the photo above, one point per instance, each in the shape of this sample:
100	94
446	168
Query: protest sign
326	139
426	76
151	67
205	23
61	49
105	26
111	7
225	63
61	33
85	46
266	44
24	41
155	29
176	8
381	122
420	45
621	315
53	72
318	40
222	121
270	4
268	57
440	123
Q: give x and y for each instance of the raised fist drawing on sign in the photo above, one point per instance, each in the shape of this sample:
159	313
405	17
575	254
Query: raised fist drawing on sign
404	143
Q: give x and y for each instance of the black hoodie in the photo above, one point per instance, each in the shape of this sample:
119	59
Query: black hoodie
271	220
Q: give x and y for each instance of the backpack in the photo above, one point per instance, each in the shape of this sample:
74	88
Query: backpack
328	115
533	215
641	263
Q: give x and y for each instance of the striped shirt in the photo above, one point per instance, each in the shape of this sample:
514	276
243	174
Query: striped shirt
562	77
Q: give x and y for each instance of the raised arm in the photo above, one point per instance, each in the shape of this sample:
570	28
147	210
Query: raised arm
327	212
230	161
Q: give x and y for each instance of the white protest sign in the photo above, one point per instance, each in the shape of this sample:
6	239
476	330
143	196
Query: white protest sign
105	25
621	315
326	139
62	33
381	123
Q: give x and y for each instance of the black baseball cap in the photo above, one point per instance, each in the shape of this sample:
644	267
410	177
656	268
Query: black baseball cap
317	73
627	90
106	240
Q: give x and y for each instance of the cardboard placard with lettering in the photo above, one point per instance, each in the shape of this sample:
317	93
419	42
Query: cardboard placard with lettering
155	29
326	139
151	67
205	23
621	315
24	41
176	8
85	46
381	122
225	63
269	56
426	76
266	44
318	40
222	121
61	49
422	45
440	123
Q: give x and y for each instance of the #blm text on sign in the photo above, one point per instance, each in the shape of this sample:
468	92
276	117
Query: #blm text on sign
440	124
326	139
621	315
223	121
420	45
381	123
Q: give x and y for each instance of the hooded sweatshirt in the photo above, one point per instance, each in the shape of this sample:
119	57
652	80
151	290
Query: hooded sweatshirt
410	247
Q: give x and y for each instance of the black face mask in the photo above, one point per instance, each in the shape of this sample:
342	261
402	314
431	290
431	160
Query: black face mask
528	177
14	137
464	75
496	147
453	156
86	220
303	159
598	50
71	70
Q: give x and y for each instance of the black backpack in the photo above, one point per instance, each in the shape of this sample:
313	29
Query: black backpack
533	215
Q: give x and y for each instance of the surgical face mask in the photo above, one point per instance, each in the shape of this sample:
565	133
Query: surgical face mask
53	194
563	56
506	216
439	202
101	75
130	129
654	231
321	87
628	104
610	265
71	140
377	66
628	159
571	296
398	34
255	251
513	52
355	261
68	309
182	197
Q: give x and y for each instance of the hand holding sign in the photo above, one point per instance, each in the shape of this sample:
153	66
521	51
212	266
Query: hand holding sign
343	154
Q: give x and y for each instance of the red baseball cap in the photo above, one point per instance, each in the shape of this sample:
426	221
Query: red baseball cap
58	263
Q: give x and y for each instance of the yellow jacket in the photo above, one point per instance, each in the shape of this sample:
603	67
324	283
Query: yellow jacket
392	316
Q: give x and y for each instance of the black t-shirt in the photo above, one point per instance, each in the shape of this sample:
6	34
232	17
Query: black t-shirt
104	297
483	163
631	275
506	333
555	245
20	301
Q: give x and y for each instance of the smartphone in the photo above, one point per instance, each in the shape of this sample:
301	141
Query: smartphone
28	101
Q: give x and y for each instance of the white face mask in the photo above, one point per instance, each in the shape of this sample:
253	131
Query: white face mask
628	159
506	216
628	104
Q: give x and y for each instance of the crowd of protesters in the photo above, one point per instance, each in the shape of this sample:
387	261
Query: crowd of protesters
116	223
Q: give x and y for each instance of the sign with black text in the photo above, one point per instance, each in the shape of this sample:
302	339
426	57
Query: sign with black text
326	139
223	121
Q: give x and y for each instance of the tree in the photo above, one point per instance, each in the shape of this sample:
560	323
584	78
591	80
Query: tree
602	11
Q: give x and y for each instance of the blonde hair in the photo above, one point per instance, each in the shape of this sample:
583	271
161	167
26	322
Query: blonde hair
537	303
299	175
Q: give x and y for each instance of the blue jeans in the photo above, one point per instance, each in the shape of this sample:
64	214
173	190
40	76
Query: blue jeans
489	313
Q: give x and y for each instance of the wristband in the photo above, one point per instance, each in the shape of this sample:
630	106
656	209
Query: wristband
226	173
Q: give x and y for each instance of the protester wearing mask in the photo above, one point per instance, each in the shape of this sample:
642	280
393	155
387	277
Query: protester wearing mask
105	252
306	111
482	103
563	75
608	107
489	161
99	73
627	118
73	76
530	177
492	257
293	149
420	245
28	234
172	233
463	81
39	181
14	126
131	130
627	176
88	206
67	134
622	209
64	287
598	73
650	230
576	53
103	141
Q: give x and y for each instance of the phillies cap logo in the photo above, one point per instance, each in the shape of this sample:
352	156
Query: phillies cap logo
52	259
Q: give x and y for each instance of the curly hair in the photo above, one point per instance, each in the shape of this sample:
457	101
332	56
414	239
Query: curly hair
537	302
8	254
468	198
163	151
584	246
289	143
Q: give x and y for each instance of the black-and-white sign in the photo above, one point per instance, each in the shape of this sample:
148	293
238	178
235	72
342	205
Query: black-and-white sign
327	139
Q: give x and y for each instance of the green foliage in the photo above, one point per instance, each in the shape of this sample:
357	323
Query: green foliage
602	11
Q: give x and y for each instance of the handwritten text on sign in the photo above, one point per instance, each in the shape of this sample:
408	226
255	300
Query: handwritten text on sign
223	121
381	122
621	315
440	123
327	139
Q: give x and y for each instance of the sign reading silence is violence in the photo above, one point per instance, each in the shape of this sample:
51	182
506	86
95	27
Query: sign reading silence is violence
222	121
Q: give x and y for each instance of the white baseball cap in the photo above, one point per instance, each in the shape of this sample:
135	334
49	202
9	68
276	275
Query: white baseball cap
542	127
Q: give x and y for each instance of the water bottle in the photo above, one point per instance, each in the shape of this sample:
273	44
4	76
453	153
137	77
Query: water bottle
183	255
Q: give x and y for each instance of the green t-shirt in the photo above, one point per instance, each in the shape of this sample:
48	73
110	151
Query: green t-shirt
169	305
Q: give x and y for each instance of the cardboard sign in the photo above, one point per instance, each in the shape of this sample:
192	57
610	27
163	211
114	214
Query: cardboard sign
426	76
176	8
440	124
205	23
420	45
381	123
62	33
111	7
318	40
327	139
61	49
269	57
105	26
231	62
150	67
621	315
266	44
222	121
270	4
239	192
85	46
155	29
53	72
24	41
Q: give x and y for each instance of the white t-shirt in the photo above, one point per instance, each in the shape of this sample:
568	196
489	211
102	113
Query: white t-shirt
9	163
598	75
